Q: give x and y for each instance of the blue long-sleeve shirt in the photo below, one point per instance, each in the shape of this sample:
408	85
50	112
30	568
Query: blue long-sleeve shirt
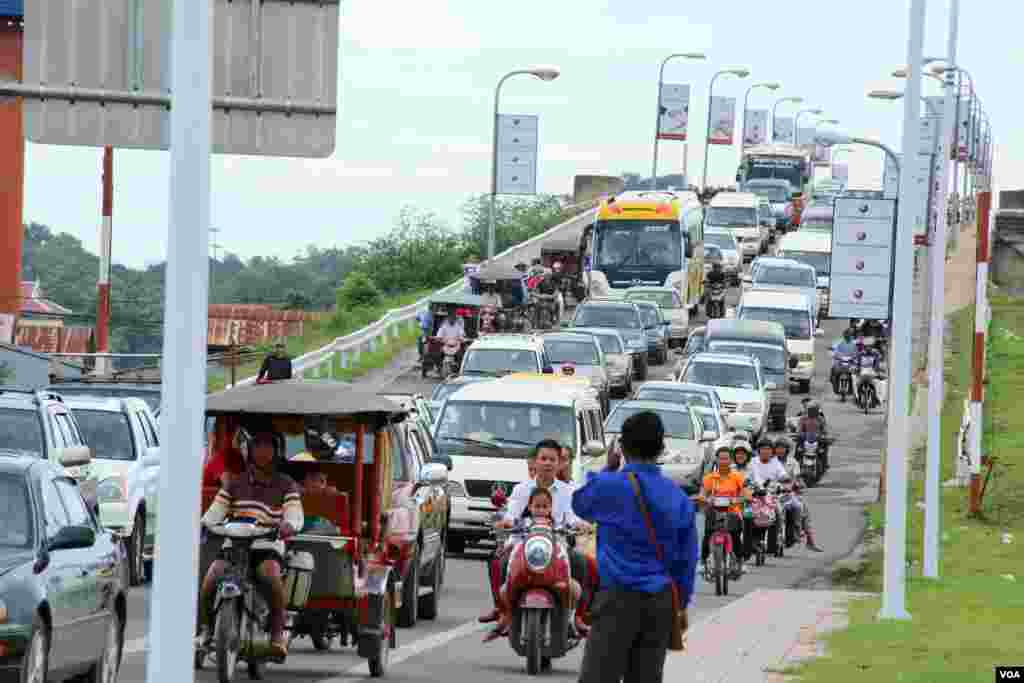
626	559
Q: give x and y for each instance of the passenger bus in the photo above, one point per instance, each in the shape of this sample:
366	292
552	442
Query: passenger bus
782	162
653	239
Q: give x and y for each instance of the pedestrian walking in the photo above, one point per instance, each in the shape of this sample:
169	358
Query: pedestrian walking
646	555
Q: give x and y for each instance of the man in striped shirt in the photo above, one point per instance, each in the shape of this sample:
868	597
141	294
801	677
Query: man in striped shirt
268	498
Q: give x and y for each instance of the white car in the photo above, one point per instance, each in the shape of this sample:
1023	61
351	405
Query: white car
126	462
738	381
726	243
795	312
683	458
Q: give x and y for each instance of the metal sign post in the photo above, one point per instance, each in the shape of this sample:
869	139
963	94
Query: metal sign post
108	73
517	153
861	260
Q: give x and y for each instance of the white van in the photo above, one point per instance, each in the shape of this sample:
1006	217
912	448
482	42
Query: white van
488	429
795	312
738	212
814	249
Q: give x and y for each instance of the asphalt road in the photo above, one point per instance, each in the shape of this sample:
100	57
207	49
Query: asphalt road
450	648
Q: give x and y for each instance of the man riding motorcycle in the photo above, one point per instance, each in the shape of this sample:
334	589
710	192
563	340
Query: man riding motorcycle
813	423
272	499
724	481
846	347
716	276
557	279
792	467
546	462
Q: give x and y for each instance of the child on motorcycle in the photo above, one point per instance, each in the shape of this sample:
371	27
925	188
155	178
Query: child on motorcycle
538	511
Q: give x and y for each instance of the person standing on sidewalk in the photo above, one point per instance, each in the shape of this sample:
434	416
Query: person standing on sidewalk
276	365
641	587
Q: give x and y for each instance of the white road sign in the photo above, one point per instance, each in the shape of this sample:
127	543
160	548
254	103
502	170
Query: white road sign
97	72
517	154
861	261
675	112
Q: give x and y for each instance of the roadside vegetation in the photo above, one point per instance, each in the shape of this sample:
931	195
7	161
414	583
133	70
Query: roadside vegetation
972	618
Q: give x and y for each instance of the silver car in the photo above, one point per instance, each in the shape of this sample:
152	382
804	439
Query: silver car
616	355
579	355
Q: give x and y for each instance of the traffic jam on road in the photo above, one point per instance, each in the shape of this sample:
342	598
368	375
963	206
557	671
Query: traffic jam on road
401	489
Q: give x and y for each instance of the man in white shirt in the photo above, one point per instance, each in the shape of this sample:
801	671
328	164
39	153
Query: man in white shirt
451	328
767	466
491	298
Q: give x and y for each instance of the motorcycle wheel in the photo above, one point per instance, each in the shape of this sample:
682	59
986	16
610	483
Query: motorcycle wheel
380	662
780	539
869	399
759	560
534	639
257	670
721	572
227	634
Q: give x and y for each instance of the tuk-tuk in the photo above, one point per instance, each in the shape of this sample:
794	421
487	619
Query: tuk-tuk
507	282
343	574
565	249
446	358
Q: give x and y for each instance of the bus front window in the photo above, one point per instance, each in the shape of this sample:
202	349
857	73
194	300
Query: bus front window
640	244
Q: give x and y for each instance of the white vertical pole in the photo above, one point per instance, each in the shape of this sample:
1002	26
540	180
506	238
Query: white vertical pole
897	442
172	622
936	359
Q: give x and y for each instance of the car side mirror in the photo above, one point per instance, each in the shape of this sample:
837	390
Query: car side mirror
594	449
434	474
748	279
74	456
819	332
442	459
709	436
771	386
548	370
72	537
793	361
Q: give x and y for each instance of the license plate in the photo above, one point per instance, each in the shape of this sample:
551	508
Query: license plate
720	501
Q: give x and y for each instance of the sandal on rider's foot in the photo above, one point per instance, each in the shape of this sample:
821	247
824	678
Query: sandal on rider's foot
279	647
582	630
490	617
497	632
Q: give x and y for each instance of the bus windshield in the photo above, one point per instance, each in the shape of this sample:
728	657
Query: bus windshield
639	243
781	168
772	193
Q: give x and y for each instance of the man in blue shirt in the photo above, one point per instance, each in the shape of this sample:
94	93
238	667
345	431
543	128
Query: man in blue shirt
426	319
633	614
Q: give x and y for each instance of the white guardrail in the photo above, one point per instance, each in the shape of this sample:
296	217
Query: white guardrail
348	348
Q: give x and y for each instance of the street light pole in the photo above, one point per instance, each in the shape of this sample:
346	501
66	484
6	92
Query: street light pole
794	100
746	101
739	73
657	111
544	73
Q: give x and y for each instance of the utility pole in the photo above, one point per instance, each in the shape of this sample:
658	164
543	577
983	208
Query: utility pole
103	364
12	184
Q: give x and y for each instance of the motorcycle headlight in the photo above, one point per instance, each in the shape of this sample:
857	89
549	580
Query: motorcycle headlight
112	490
538	553
752	407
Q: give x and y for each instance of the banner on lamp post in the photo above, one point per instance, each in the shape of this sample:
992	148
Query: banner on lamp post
782	129
723	120
674	111
755	127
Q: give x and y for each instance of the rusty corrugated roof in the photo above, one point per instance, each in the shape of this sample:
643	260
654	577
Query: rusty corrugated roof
54	338
33	301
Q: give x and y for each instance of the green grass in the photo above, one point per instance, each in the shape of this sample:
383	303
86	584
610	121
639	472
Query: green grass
972	618
318	334
379	358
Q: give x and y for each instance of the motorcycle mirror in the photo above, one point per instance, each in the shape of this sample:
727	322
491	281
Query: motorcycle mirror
819	332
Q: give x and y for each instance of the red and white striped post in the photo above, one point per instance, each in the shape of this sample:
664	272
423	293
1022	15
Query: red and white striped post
103	284
984	203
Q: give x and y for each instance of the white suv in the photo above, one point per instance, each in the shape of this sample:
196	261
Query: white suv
126	462
738	381
502	354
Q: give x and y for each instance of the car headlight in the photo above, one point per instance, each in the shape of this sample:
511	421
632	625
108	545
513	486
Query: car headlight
751	407
538	553
456	489
805	357
112	490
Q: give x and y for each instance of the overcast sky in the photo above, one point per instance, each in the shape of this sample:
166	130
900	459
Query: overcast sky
416	93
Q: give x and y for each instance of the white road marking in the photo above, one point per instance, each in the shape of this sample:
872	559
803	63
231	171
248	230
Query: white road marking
418	647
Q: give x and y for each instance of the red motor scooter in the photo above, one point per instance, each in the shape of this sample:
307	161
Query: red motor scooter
724	565
539	595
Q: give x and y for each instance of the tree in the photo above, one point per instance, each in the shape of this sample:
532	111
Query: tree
358	291
515	220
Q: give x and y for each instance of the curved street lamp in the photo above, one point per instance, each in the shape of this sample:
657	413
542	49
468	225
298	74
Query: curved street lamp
746	99
657	113
544	73
794	100
796	122
739	73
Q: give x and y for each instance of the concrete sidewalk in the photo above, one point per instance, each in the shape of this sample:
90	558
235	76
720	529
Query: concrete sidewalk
754	638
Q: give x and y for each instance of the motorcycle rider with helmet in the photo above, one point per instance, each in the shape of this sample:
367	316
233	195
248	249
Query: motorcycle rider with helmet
792	466
813	422
716	276
846	347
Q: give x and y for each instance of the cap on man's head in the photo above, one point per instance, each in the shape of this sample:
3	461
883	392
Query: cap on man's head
643	435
